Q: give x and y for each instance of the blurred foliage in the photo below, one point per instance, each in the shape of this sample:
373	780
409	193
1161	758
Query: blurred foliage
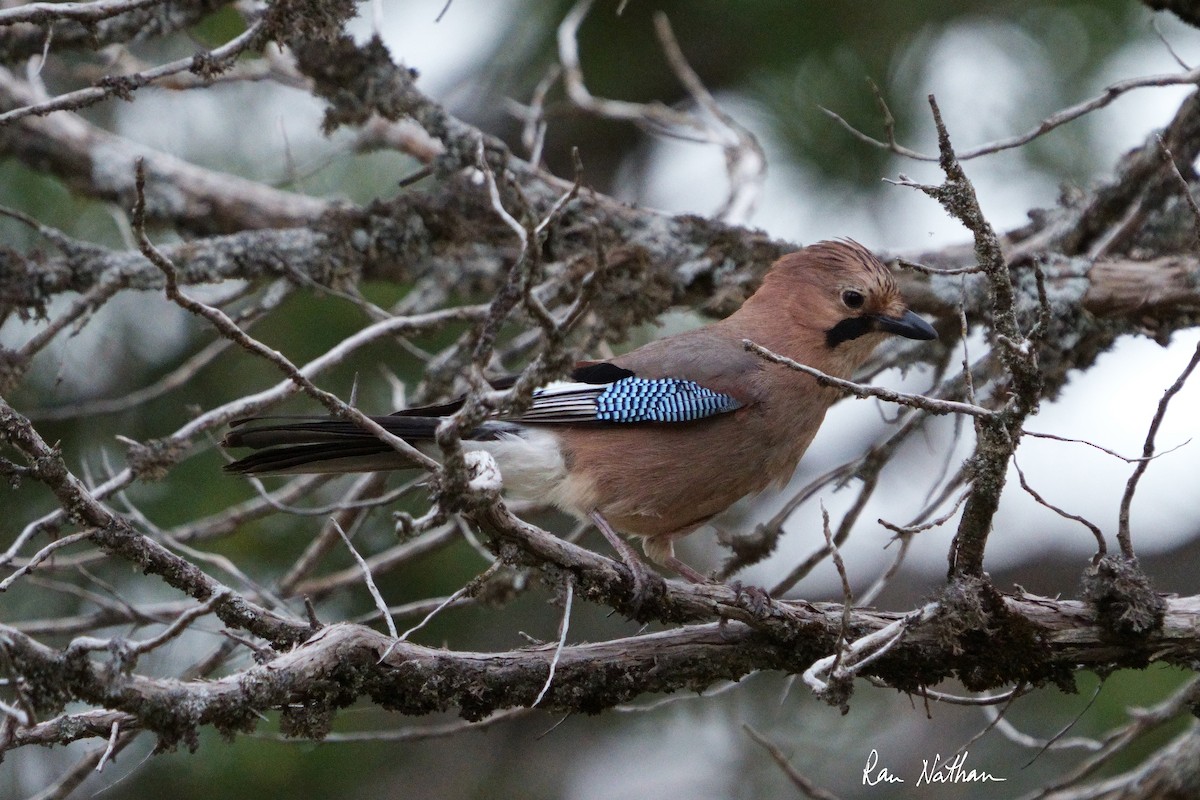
790	59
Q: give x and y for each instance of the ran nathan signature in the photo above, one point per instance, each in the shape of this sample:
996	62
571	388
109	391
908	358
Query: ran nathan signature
935	771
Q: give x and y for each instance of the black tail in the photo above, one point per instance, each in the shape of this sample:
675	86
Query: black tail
296	445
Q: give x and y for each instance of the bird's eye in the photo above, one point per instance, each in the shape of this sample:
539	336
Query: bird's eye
853	299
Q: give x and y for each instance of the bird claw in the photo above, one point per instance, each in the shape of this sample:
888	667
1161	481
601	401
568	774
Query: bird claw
753	599
645	584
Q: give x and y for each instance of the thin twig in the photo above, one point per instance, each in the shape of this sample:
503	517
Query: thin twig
847	594
83	644
925	270
1058	741
910	529
875	589
112	746
957	699
471	587
1123	535
1101	546
563	627
124	84
1116	741
350	512
745	161
869	471
180	624
369	580
929	404
41	555
1113	453
798	780
863	651
404	734
1062	117
1169	157
21	717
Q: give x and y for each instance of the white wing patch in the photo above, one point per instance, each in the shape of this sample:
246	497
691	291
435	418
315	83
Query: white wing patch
560	401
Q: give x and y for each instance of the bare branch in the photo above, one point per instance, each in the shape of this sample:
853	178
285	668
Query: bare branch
746	163
42	555
650	662
1119	739
827	672
40	13
998	434
411	734
123	85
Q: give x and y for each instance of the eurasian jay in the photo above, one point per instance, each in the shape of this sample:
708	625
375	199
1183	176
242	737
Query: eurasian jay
659	440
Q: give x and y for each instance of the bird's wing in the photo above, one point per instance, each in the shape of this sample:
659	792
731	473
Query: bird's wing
626	400
602	392
590	372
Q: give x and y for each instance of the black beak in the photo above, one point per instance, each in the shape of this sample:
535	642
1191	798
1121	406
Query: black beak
910	326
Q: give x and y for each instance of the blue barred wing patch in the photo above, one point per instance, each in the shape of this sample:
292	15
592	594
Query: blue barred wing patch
660	400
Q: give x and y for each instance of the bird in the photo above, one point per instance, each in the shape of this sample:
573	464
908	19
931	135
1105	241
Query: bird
655	442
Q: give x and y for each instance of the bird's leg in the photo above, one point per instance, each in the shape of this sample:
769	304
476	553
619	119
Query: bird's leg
684	571
637	568
661	550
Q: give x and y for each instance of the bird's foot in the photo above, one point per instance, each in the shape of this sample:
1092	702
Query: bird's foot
753	599
645	583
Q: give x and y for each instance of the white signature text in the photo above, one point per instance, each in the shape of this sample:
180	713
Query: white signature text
935	771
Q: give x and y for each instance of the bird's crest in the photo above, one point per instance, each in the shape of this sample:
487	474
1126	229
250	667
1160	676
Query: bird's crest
848	255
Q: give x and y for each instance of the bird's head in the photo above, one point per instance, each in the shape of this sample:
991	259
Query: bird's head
839	298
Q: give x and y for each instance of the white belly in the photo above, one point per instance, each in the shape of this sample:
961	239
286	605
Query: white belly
533	468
